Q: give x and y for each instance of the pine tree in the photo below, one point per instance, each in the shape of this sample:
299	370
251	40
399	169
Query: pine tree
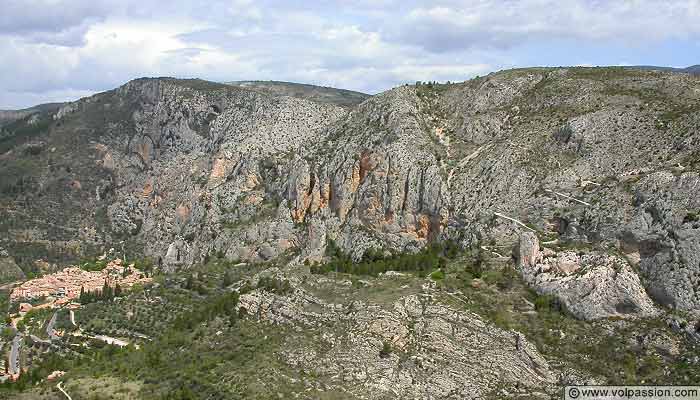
105	291
228	279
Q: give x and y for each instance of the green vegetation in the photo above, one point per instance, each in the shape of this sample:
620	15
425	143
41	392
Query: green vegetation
221	305
23	130
18	176
94	265
199	84
691	216
601	347
4	301
274	285
7	333
106	294
375	262
607	73
199	347
34	321
437	275
386	350
35	375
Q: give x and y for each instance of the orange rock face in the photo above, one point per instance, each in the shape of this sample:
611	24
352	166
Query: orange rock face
108	162
218	170
145	149
75	185
367	164
182	211
147	190
423	226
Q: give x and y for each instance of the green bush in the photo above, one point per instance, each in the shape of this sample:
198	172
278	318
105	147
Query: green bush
548	303
7	333
691	217
437	275
386	350
274	285
375	262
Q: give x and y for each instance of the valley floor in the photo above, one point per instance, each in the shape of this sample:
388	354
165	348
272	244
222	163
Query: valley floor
270	331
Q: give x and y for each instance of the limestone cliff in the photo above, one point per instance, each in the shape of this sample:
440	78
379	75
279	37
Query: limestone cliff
179	170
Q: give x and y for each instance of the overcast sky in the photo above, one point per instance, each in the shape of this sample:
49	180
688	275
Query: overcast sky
57	50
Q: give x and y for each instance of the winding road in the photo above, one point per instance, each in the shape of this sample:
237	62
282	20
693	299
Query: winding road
63	391
14	354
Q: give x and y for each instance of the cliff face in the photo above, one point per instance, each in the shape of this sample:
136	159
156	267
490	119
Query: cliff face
176	170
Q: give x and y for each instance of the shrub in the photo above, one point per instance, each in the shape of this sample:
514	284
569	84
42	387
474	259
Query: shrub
437	275
548	303
375	262
274	285
386	350
691	217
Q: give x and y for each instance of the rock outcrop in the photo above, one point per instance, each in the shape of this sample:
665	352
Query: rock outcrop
590	285
413	348
9	271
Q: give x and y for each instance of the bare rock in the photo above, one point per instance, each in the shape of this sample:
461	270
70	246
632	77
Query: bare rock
591	286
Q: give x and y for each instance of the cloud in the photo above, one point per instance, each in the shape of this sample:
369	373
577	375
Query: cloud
507	23
80	46
50	22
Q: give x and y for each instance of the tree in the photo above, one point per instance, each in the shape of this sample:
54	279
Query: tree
386	350
228	279
107	293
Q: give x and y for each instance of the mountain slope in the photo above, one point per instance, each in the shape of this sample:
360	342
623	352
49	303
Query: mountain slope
319	94
148	158
693	69
496	238
181	170
7	116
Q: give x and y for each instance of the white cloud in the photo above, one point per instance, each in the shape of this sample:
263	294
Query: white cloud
77	46
503	24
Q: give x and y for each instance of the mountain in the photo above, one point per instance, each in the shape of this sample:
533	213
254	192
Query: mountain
543	222
13	115
319	94
694	69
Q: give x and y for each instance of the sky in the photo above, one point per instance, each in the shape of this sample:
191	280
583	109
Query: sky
58	50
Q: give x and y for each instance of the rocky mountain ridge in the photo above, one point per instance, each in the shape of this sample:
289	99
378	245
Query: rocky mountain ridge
340	97
566	195
179	170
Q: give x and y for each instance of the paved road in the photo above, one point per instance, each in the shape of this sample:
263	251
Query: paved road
72	318
39	340
63	391
14	354
111	340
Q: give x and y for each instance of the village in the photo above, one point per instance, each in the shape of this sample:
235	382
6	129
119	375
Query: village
63	290
65	286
